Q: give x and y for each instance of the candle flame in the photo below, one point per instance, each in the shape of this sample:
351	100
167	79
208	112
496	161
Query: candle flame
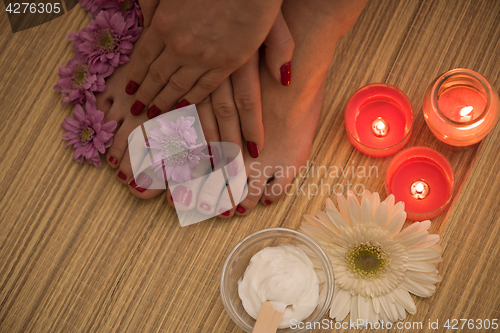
380	127
419	187
465	111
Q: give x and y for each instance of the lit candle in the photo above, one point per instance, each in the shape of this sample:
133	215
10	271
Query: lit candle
378	119
423	179
460	107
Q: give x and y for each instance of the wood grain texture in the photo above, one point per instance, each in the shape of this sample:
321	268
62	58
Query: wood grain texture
79	253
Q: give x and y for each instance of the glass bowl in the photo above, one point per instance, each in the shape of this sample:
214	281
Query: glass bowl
237	262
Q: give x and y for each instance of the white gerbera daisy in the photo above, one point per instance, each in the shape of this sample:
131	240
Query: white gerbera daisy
376	264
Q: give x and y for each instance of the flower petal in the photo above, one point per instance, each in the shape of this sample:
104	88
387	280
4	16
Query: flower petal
416	253
354	308
380	217
394	227
366	211
354	209
364	305
403	297
428	241
398	208
421	266
337	219
340	299
344	208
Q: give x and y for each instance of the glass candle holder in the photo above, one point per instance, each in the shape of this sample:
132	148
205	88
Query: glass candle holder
423	179
378	119
460	107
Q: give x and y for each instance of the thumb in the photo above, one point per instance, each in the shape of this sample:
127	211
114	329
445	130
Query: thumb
279	50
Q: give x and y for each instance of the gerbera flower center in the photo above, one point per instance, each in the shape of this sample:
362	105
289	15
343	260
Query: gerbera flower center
86	135
104	40
174	153
367	261
79	74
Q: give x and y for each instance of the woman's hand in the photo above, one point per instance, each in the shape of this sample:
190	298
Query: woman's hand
193	47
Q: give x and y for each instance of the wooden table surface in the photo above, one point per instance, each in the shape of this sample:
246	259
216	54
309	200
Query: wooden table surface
79	253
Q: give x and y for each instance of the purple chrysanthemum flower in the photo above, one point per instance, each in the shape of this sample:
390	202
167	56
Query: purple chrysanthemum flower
178	151
129	8
77	83
88	133
106	41
93	6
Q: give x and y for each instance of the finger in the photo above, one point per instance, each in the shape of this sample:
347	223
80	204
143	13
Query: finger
208	121
148	48
178	84
205	85
227	115
279	50
156	79
246	91
148	7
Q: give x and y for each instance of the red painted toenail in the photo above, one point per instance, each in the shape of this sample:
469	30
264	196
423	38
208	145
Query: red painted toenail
153	112
137	108
241	210
121	175
226	213
253	149
131	87
286	74
268	202
112	160
142	182
182	104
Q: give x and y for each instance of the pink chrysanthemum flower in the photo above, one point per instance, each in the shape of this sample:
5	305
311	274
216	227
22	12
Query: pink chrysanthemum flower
178	151
93	6
77	83
106	41
88	133
129	8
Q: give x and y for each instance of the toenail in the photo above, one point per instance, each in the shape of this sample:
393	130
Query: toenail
204	206
131	87
182	194
112	160
153	112
182	104
232	167
121	175
142	182
286	74
137	108
214	153
268	202
224	212
241	210
253	149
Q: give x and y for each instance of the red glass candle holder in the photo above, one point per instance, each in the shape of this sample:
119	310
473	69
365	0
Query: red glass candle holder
460	107
423	179
378	119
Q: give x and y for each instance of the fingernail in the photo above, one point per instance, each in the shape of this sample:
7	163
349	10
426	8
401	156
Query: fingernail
204	206
137	108
214	153
286	74
268	202
241	210
141	20
112	160
131	87
182	194
182	104
232	167
142	182
153	112
253	149
223	212
121	175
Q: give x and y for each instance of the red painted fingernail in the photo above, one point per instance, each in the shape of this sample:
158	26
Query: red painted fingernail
182	104
153	112
112	160
121	175
253	149
137	108
241	210
141	20
226	213
268	202
131	87
286	74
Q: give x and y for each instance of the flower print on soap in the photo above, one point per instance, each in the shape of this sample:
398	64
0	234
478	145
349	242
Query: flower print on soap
176	151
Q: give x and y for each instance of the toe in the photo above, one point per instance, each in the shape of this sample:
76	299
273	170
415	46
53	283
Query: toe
104	102
256	185
276	189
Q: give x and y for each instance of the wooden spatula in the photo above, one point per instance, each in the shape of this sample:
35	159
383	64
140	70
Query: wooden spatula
269	317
